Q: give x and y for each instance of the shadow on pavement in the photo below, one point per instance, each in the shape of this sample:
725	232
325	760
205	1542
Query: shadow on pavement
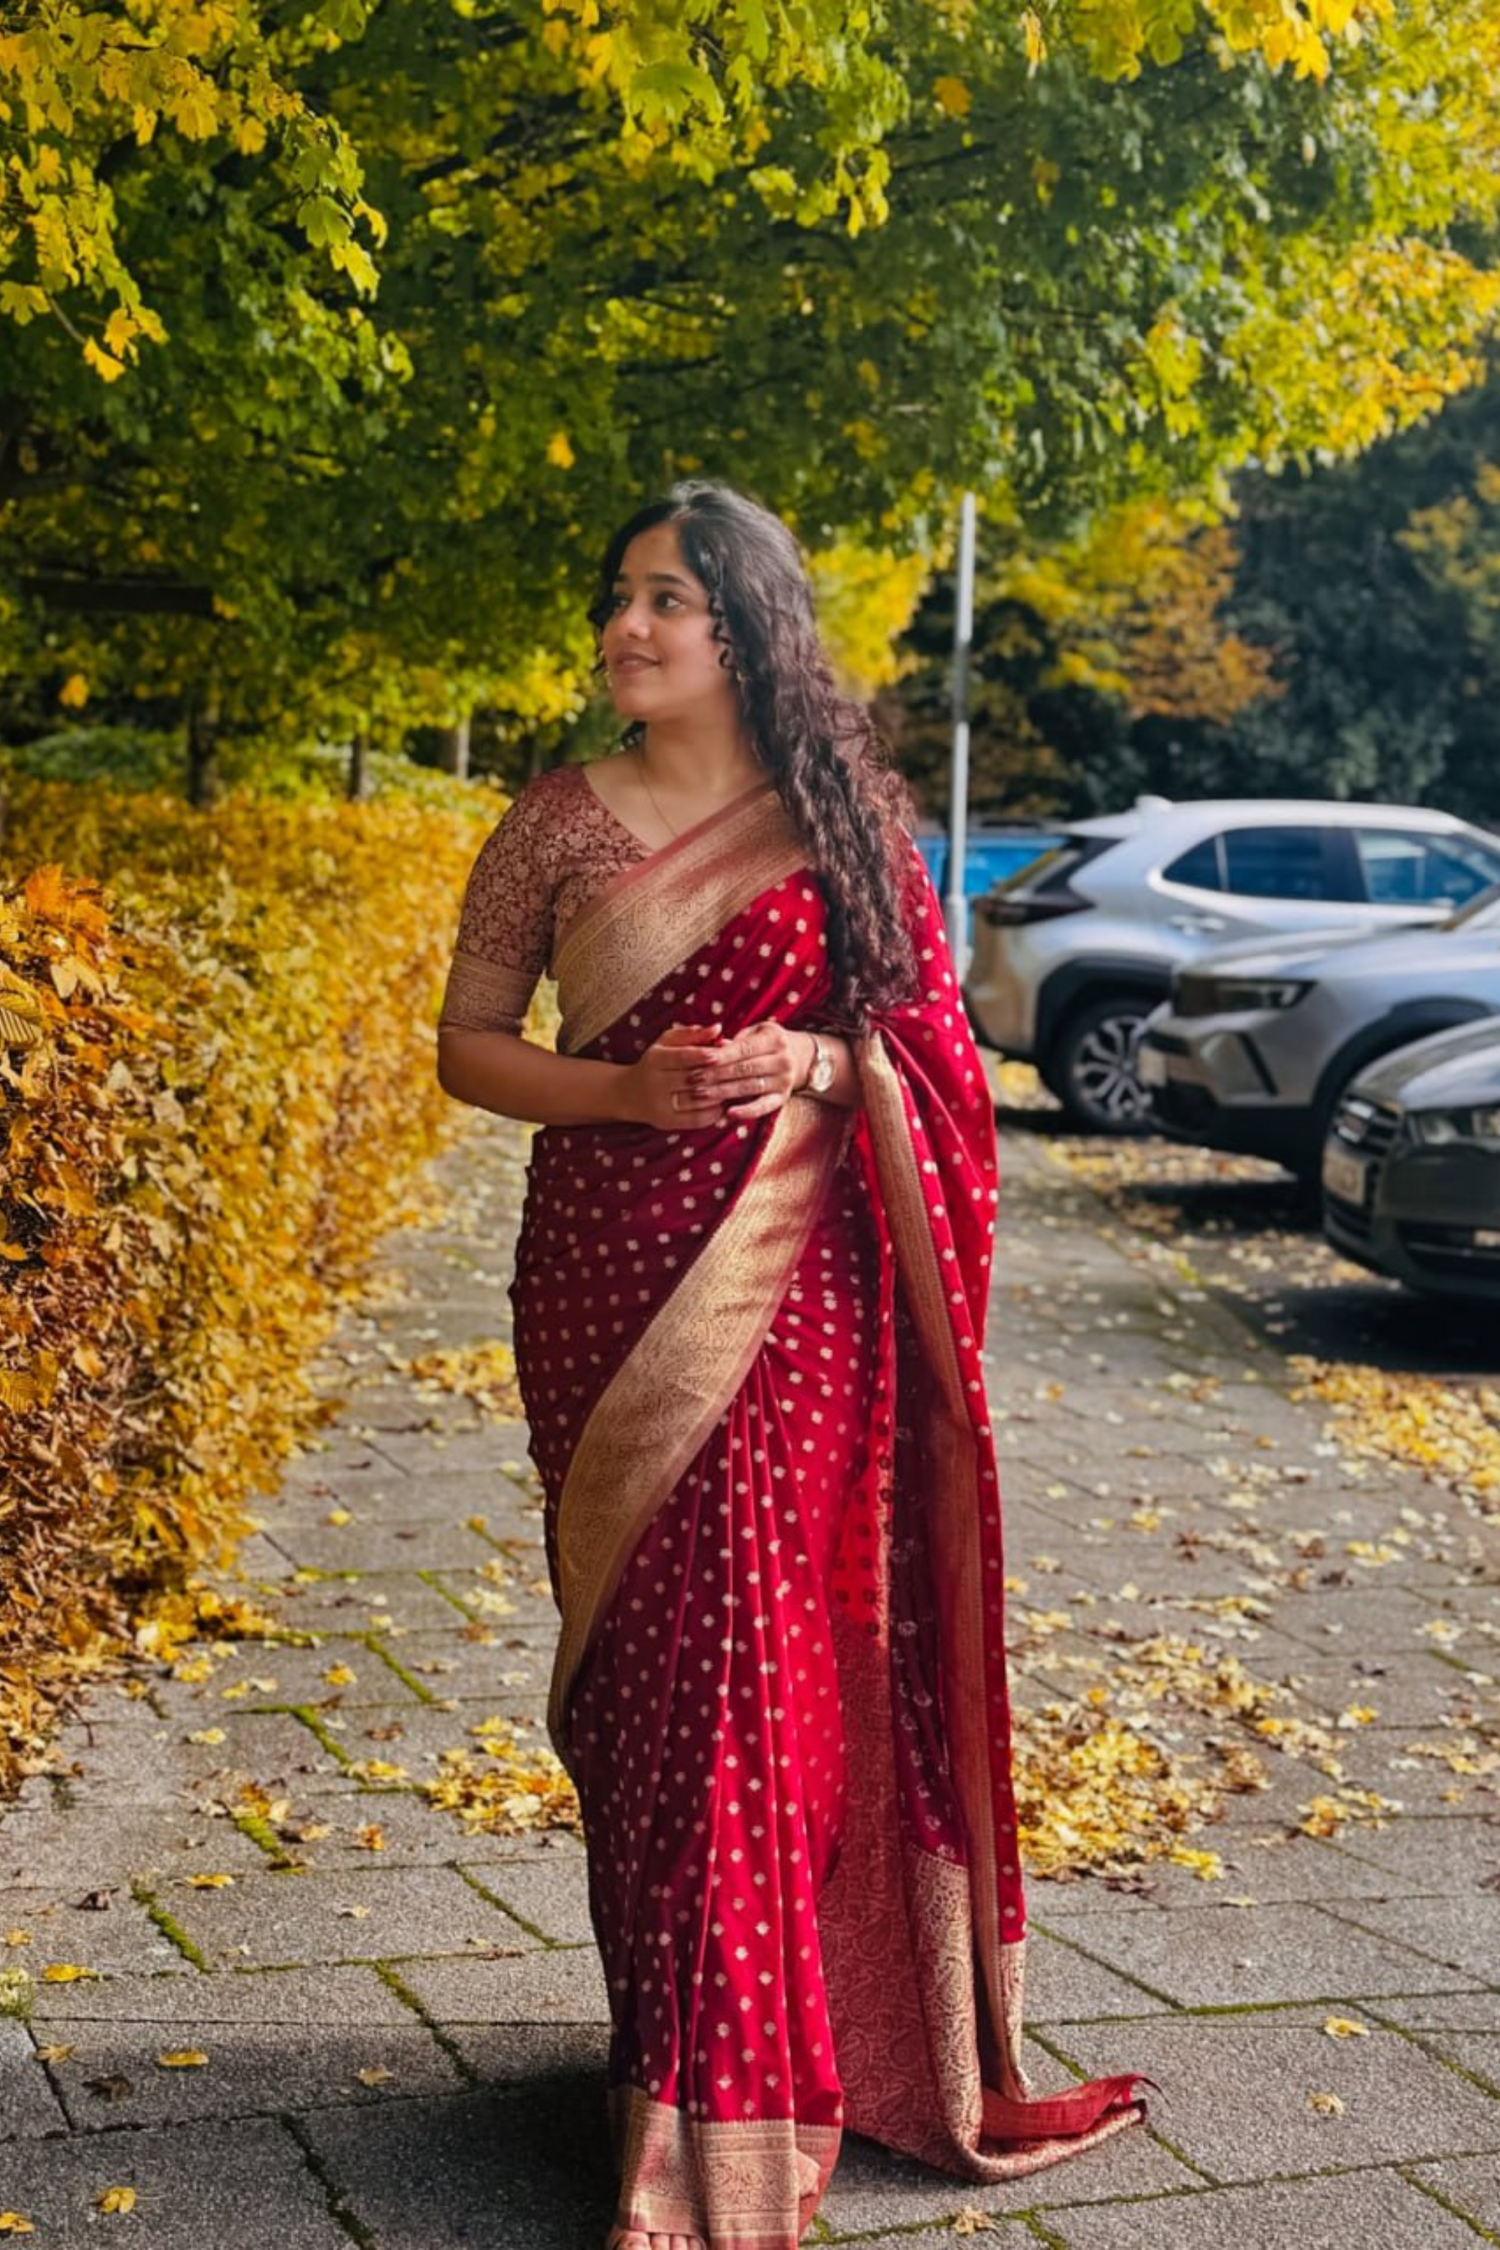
1256	1242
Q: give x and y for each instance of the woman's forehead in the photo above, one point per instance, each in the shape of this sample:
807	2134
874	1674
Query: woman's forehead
656	553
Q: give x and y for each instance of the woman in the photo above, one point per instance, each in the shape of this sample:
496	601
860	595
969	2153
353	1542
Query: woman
749	1298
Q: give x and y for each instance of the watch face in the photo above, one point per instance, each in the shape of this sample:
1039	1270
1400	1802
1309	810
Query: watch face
820	1077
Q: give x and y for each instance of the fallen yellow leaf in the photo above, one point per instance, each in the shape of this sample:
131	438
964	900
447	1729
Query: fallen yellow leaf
1327	2105
210	1882
11	2222
65	1972
182	2058
1207	1866
340	1516
54	2054
373	2075
339	1675
115	2199
371	1838
209	1737
1345	2027
18	1937
973	2222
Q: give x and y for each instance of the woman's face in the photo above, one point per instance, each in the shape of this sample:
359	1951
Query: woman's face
658	644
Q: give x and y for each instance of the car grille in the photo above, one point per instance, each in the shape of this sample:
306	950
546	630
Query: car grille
1371	1127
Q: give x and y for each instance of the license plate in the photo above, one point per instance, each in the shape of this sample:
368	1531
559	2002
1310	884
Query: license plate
1151	1065
1345	1176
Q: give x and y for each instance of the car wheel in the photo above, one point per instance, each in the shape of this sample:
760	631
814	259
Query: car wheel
1092	1067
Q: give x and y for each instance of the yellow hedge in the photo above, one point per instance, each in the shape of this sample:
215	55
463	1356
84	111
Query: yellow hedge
215	1084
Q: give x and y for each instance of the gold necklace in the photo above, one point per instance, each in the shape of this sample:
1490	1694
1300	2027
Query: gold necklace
640	762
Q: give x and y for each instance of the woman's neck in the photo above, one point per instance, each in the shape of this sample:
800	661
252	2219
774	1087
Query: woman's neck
695	763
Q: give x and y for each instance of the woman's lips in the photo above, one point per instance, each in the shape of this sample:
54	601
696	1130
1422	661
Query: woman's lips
634	664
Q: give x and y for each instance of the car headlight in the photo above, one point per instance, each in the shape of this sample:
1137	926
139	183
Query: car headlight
1246	994
1437	1128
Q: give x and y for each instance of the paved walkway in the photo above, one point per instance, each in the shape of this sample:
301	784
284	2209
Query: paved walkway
321	2012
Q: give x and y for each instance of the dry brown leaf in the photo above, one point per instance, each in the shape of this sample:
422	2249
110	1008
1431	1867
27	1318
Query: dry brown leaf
973	2222
370	1838
1327	2105
55	2054
374	2075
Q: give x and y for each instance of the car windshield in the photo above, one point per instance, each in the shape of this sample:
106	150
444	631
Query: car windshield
1482	913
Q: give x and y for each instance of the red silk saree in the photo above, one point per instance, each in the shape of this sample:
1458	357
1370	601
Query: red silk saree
751	1361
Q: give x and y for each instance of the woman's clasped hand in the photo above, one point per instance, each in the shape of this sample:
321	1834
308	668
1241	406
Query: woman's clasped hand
693	1077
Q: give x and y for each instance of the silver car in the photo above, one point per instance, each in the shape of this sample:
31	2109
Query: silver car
1258	1044
1411	1168
1072	953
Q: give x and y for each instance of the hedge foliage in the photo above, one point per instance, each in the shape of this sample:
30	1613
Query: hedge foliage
215	1085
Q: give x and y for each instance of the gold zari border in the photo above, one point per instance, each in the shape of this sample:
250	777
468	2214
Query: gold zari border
659	913
956	1559
751	2186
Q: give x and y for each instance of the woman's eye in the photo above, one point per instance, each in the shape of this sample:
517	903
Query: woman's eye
668	601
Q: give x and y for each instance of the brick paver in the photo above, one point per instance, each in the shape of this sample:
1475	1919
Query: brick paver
403	2023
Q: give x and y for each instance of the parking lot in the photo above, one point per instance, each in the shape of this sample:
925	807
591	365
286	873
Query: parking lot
1251	1233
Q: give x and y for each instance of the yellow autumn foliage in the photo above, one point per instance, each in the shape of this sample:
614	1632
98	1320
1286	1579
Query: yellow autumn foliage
219	1089
1453	1436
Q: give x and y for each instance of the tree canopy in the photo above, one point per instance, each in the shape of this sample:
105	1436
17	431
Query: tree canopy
403	306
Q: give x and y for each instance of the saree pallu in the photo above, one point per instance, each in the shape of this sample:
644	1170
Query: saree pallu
750	1356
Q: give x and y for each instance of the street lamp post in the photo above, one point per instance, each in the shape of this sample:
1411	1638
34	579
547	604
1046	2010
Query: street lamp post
956	909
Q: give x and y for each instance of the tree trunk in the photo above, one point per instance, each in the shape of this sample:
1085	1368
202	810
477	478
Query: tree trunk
454	756
202	748
357	784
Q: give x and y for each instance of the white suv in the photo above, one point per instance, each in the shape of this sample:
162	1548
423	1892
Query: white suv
1072	954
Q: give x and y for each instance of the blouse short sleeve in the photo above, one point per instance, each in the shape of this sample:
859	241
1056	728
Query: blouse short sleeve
505	930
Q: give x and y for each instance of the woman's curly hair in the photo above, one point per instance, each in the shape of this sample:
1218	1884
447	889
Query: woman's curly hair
820	748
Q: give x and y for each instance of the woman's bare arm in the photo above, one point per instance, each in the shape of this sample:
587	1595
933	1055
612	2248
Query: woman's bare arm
500	1071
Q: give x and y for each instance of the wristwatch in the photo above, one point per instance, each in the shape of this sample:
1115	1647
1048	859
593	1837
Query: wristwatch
820	1076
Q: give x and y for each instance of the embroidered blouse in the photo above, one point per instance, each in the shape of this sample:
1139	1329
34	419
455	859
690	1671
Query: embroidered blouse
549	857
